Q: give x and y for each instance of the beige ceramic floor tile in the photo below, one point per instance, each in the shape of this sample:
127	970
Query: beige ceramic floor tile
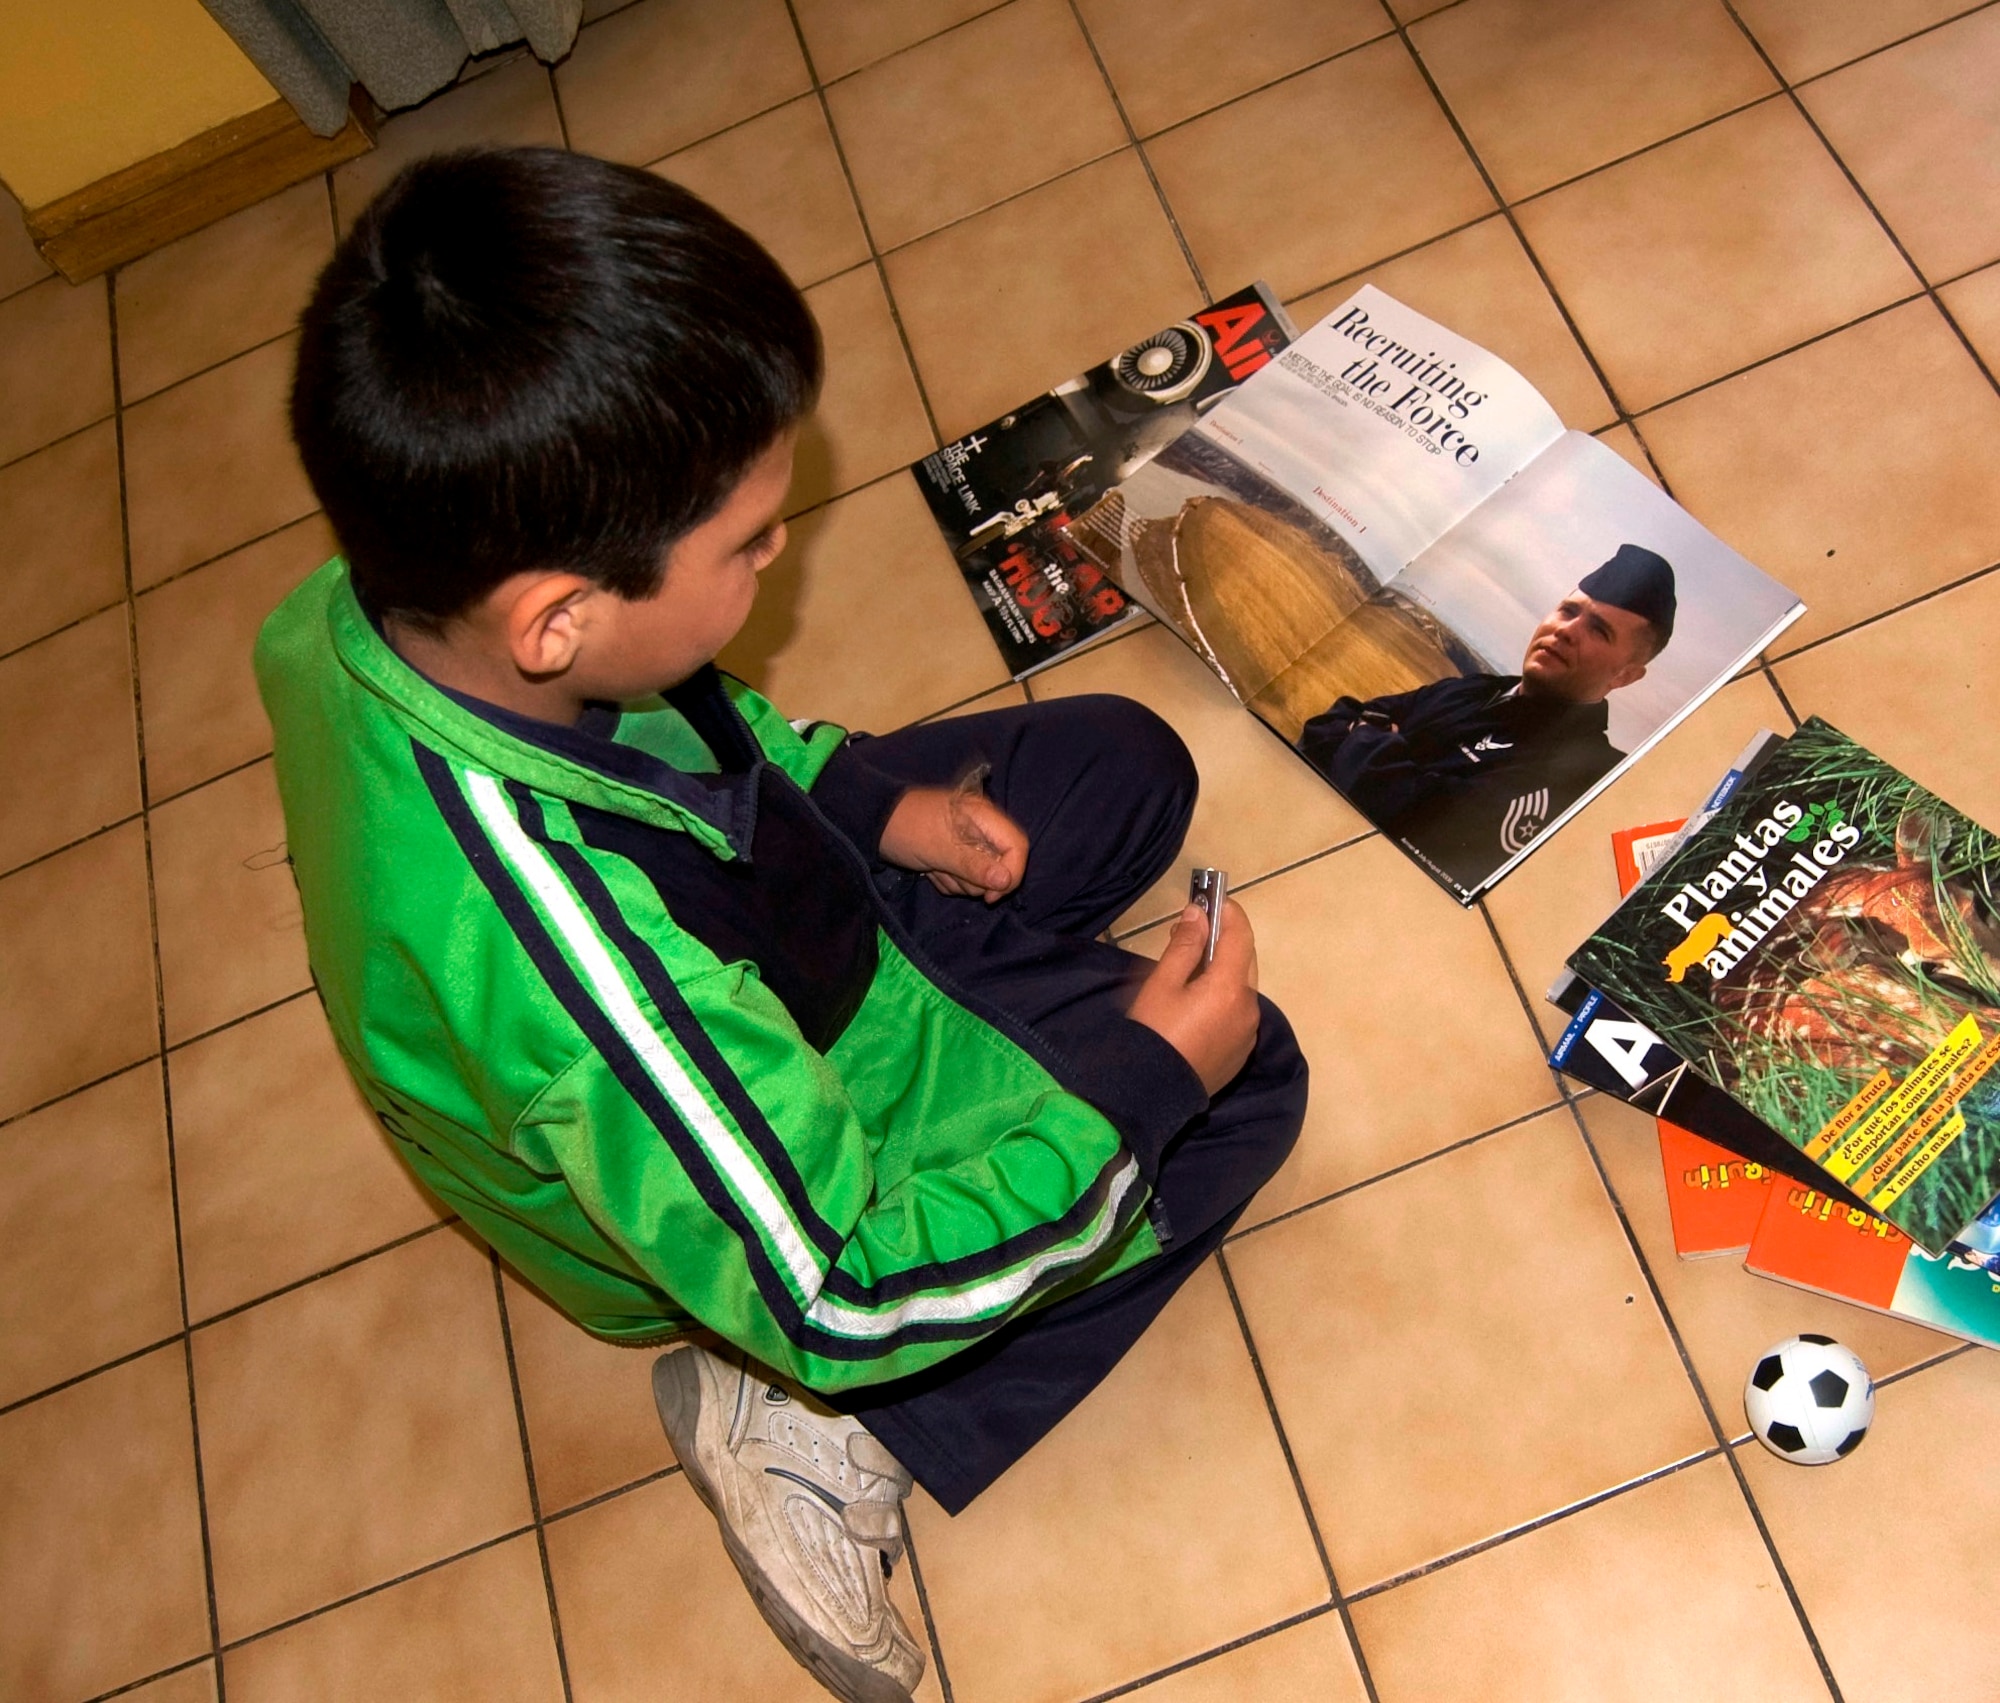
1113	1539
87	1269
844	35
864	619
511	108
188	1685
1917	689
20	265
1038	325
231	939
1322	174
665	73
100	1552
61	518
1626	442
1546	907
870	419
69	761
1919	126
1913	1508
1534	1350
1726	1317
1169	63
198	693
645	1590
1481	283
1973	301
222	290
1308	1663
209	464
1600	1607
591	1419
1894	491
1549	89
779	177
478	1628
1711	252
55	363
965	93
266	1113
1806	37
354	1429
1408	11
1363	951
76	969
1260	807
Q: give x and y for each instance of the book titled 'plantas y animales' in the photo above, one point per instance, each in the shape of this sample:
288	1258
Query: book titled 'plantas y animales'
1826	949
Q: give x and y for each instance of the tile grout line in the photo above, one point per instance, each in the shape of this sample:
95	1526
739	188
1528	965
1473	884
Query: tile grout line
1867	200
1139	152
867	235
924	1604
1396	1170
159	991
528	1466
1506	209
1304	1617
228	1312
1771	679
1701	1396
1889	46
1541	1522
1904	607
1292	1467
562	130
985	11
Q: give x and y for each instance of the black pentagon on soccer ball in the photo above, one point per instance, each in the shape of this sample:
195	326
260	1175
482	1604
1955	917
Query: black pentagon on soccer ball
1829	1389
1786	1437
1769	1370
1851	1442
1810	1336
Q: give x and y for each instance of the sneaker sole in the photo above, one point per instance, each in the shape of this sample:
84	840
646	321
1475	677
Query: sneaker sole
677	1395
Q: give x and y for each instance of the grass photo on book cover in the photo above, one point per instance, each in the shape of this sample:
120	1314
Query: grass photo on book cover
1827	950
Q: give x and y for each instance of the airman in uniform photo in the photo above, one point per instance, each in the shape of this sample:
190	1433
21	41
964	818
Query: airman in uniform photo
1466	771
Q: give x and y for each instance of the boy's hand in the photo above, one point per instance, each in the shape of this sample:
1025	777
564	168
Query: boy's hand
965	843
1209	1018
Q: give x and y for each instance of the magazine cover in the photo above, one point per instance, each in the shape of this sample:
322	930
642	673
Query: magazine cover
1463	616
1808	1240
1826	950
1003	495
1714	1197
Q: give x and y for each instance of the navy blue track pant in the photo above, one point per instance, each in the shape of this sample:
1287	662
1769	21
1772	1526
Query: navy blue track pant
1104	789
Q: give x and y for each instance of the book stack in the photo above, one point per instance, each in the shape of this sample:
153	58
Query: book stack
1802	983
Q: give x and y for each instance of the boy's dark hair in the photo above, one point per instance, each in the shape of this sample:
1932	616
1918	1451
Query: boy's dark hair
524	358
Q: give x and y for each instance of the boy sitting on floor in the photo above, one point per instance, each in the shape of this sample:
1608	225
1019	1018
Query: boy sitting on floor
703	1018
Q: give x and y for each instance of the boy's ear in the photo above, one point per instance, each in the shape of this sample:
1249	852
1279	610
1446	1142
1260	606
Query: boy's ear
539	617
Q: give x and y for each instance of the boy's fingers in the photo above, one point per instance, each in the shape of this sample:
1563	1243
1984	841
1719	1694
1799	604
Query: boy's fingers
1185	944
1236	946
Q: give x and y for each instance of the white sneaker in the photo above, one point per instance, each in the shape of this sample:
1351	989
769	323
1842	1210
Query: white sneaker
807	1501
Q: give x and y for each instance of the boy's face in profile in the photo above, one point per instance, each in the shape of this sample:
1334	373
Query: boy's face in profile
548	643
634	647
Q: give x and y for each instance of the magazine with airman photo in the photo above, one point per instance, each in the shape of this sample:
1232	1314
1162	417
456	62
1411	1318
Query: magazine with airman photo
1467	619
1826	951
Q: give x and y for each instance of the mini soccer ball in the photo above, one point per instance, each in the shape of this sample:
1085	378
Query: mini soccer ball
1809	1400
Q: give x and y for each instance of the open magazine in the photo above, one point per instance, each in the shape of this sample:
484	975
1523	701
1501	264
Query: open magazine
1468	619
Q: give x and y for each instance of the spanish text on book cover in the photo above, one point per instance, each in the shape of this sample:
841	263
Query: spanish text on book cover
1466	618
1003	495
1807	1239
1826	949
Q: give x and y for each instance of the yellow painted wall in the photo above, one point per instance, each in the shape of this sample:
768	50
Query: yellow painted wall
88	87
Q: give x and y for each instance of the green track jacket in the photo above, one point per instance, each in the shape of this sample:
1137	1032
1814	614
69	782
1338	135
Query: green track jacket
636	1123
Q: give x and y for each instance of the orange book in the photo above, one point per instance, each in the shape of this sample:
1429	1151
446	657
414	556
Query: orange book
1812	1242
1715	1198
1636	850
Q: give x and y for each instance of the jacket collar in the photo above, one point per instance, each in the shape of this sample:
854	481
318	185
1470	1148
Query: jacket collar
581	765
